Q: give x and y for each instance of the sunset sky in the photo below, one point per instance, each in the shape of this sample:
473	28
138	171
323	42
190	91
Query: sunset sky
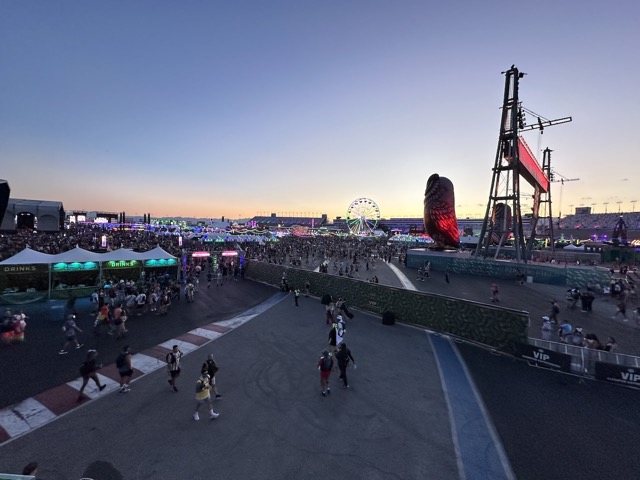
243	108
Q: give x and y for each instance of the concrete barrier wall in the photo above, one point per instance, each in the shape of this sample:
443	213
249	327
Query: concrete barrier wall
497	327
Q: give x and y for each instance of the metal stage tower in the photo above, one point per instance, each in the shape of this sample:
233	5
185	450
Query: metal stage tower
514	161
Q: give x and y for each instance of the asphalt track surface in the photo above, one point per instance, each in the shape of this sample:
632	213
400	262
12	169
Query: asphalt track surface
404	416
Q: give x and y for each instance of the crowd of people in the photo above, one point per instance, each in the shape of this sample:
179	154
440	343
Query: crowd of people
336	311
619	291
601	221
88	237
116	299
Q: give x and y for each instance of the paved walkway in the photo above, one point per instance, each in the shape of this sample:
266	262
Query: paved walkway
534	298
420	406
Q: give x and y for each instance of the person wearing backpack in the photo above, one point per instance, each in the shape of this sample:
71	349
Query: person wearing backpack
211	368
123	364
325	366
564	331
203	394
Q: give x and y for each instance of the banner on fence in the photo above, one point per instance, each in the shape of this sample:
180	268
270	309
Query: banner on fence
618	374
542	357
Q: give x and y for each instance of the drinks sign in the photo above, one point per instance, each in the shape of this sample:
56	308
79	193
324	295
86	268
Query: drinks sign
122	263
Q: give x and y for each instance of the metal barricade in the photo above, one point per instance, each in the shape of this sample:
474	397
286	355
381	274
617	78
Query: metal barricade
583	360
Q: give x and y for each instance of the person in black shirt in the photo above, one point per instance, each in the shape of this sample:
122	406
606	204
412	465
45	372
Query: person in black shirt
211	367
343	355
88	371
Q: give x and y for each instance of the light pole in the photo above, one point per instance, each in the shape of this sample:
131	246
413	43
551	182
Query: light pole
605	206
619	203
633	204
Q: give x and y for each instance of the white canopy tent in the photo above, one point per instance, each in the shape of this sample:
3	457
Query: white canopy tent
29	257
81	256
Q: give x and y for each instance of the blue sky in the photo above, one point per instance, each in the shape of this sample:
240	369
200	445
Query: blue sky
211	108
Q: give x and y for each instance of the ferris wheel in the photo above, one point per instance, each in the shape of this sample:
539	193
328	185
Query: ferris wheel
362	216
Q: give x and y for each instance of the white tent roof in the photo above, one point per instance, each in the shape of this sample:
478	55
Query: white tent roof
77	255
120	254
27	257
30	257
155	254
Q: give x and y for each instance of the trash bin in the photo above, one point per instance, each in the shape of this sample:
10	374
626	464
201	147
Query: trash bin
388	318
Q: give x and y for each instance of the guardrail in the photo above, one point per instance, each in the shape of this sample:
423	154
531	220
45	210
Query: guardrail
583	359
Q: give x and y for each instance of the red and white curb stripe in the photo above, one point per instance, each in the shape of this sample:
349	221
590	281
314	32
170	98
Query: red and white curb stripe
32	413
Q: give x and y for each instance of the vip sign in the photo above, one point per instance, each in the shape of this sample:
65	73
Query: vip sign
630	376
541	355
618	374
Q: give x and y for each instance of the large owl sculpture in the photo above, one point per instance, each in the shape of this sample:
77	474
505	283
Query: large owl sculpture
440	213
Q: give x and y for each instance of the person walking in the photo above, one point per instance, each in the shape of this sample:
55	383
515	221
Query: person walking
296	296
119	322
173	365
325	366
188	292
343	356
336	334
102	319
89	370
329	313
446	277
19	326
71	331
203	394
212	368
564	331
546	328
340	330
495	293
123	363
622	308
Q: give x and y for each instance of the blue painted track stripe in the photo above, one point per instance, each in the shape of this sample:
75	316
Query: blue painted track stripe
478	448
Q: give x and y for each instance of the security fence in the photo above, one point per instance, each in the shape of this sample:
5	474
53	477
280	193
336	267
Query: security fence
600	364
